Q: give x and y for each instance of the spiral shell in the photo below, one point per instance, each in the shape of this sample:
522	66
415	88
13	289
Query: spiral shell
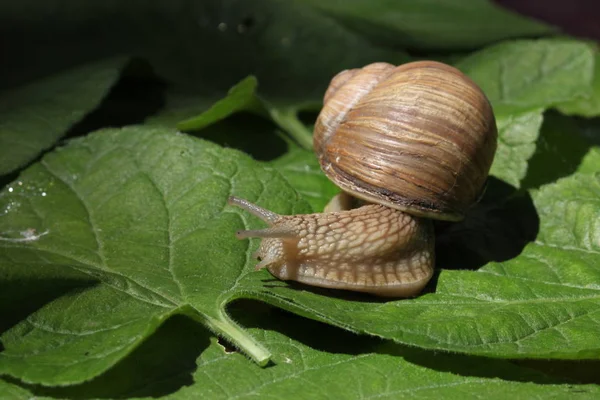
419	137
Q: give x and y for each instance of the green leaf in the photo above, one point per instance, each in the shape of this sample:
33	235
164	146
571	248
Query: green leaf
9	391
34	117
525	75
589	163
517	137
241	97
302	170
142	213
586	106
432	24
311	361
181	107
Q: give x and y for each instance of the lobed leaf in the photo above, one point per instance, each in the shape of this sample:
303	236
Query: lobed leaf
141	212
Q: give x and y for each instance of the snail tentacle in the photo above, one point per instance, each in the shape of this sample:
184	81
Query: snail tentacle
266	215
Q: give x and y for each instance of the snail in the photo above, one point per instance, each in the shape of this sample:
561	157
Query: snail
414	143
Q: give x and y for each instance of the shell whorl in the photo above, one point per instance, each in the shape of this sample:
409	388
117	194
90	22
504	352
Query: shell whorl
419	137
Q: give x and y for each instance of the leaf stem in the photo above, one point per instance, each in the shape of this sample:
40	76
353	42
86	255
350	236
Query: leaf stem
288	120
240	338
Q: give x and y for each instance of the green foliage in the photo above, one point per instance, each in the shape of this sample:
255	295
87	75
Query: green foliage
120	272
241	97
431	24
33	118
354	366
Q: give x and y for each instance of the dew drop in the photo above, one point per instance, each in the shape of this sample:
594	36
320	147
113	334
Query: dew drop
222	26
10	189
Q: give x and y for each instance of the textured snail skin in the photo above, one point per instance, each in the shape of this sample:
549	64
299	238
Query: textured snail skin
373	249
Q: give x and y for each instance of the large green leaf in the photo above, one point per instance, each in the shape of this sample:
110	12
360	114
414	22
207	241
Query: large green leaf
141	211
137	218
432	24
311	361
34	117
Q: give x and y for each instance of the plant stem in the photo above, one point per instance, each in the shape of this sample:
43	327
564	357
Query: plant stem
240	338
289	121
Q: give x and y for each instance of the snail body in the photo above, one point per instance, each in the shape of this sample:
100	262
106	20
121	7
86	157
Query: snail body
373	248
417	141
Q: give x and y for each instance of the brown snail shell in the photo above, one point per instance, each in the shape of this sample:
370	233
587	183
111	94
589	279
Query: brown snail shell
419	137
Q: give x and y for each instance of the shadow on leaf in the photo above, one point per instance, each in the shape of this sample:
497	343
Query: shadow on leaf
476	366
341	294
252	134
327	338
20	298
138	94
582	371
317	335
161	365
560	148
496	229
